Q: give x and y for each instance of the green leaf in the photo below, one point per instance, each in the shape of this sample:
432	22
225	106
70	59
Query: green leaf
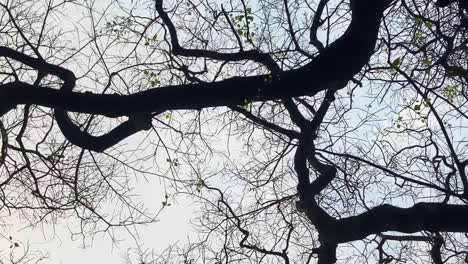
396	62
427	102
450	92
426	61
418	37
200	184
428	24
417	107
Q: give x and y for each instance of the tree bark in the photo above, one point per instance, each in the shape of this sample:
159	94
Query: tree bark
432	217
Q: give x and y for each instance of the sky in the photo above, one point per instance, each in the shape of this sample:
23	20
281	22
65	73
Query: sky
55	240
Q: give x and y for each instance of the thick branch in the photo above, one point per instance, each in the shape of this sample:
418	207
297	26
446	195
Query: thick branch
326	173
432	217
336	63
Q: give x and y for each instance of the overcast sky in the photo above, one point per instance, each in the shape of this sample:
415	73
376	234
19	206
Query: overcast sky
56	240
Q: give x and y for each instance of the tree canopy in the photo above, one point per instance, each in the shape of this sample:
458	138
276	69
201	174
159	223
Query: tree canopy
305	131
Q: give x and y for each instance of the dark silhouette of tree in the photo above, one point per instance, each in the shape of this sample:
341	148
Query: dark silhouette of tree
328	131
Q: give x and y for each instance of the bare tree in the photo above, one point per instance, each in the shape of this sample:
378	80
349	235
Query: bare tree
328	131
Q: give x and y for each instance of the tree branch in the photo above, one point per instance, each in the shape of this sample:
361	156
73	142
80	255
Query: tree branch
335	64
432	217
177	49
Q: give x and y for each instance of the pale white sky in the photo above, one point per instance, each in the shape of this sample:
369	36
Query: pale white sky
55	239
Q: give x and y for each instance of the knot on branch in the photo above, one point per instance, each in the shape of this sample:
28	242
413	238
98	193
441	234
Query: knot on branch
141	121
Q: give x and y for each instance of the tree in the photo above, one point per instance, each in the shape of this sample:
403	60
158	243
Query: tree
306	130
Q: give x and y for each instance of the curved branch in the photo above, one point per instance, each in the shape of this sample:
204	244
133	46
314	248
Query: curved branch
316	23
253	55
335	64
432	217
71	131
